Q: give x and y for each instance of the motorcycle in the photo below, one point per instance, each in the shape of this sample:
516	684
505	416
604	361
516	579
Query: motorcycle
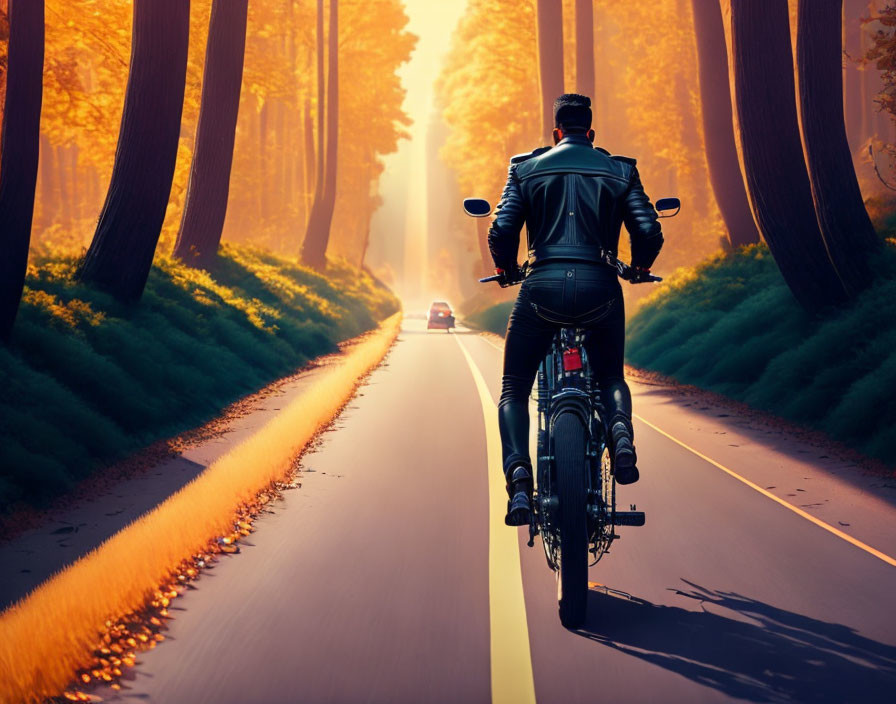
574	501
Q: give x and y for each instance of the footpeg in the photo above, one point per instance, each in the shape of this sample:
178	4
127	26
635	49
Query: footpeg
628	518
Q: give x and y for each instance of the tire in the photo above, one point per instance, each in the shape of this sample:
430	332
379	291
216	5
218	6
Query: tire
570	439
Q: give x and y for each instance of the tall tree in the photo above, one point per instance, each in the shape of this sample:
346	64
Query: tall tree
550	61
120	255
852	78
314	249
209	185
20	148
585	47
842	218
308	162
317	198
718	130
777	180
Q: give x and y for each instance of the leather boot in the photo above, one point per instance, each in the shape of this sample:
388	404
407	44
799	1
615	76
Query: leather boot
519	489
624	457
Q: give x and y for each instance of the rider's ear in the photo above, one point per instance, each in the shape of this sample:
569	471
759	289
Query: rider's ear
590	135
558	135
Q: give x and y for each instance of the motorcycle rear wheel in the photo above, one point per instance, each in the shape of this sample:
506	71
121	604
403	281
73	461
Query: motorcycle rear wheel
570	446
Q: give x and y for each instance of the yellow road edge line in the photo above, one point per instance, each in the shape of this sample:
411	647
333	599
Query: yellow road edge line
798	511
52	632
511	659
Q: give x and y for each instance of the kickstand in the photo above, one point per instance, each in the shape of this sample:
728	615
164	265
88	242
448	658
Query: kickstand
531	542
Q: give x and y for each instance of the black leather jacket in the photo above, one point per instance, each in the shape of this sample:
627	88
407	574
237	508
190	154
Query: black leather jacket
573	199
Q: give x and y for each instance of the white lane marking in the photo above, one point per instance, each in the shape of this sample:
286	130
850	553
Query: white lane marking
798	511
511	660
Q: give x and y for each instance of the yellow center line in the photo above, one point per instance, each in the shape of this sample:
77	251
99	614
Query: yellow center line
798	511
511	660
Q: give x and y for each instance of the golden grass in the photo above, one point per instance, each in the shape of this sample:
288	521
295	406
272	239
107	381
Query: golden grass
51	634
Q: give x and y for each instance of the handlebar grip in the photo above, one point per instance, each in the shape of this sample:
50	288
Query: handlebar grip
487	279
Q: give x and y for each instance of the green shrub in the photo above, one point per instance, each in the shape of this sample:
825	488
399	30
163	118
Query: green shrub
732	326
88	380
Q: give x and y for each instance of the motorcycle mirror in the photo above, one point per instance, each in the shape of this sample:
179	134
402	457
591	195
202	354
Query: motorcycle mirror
477	207
664	204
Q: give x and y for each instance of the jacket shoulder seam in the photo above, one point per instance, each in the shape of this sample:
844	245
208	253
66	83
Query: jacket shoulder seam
520	158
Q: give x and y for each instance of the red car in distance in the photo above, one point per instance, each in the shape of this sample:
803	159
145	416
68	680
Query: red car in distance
440	317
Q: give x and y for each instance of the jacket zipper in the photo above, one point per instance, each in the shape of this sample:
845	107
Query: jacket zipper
571	209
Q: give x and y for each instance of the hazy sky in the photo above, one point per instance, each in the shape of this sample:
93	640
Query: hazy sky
401	220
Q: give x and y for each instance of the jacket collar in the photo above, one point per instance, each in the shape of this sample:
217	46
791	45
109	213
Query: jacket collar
577	139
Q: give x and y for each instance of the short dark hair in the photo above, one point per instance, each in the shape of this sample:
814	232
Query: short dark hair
572	112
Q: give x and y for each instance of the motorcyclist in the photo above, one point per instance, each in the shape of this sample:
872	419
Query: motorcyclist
573	199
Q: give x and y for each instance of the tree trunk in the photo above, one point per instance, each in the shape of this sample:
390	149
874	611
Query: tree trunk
550	61
46	197
120	256
209	185
314	249
777	180
486	263
718	130
65	201
585	48
263	199
19	152
844	222
316	200
309	164
852	78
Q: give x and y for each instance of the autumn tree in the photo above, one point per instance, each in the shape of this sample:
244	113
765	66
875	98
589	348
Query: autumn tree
550	61
842	218
207	193
370	111
777	180
651	61
489	120
718	130
19	145
314	248
585	47
120	256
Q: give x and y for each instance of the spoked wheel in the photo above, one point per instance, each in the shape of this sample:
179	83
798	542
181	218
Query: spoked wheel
571	467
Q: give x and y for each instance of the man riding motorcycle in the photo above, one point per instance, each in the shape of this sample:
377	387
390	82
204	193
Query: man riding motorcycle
573	199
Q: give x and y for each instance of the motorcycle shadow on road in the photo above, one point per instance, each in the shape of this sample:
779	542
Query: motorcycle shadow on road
758	653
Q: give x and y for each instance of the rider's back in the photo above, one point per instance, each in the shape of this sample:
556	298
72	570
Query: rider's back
574	199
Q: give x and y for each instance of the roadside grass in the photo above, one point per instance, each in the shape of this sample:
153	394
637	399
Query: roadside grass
731	326
57	630
88	380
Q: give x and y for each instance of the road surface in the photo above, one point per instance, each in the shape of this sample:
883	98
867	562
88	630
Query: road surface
374	582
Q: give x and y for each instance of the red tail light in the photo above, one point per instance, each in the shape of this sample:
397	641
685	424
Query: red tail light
572	359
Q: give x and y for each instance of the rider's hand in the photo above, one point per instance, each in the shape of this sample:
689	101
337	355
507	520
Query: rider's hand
639	275
509	276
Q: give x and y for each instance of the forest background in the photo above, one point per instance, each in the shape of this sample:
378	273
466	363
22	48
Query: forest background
647	103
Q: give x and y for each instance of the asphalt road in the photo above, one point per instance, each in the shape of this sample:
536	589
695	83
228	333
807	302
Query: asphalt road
373	581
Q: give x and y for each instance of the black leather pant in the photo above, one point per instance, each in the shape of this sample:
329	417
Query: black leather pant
557	294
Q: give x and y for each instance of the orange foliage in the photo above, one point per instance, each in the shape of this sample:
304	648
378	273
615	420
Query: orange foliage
645	66
86	70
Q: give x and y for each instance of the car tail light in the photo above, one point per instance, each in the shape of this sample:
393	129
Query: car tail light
572	359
